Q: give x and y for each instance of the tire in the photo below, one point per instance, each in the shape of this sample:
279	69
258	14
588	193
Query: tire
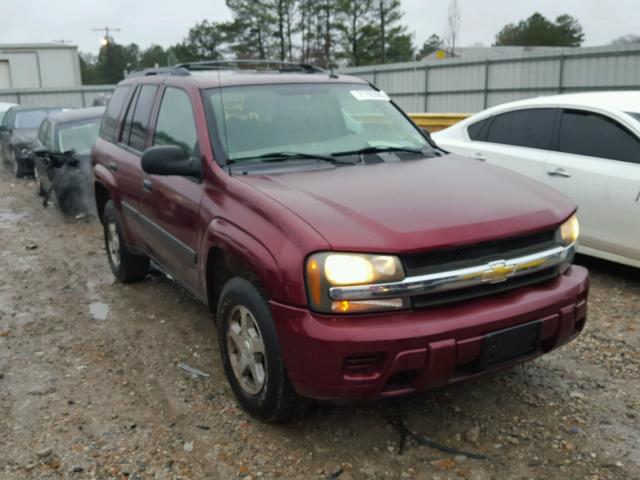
19	168
126	266
39	190
270	397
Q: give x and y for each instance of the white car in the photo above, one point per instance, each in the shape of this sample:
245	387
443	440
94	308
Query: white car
586	145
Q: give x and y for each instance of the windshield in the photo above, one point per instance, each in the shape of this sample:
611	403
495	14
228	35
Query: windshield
320	119
32	118
78	137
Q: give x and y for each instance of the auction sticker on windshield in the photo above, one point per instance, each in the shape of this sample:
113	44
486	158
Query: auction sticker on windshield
364	95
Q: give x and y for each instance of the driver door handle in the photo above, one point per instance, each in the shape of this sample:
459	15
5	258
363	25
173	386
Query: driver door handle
479	156
147	185
558	172
113	167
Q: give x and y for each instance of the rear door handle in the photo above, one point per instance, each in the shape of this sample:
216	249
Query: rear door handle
147	185
558	172
479	156
113	167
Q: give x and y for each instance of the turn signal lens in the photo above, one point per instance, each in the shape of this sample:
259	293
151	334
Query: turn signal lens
570	231
362	306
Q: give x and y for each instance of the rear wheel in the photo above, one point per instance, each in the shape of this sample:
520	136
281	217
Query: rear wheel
251	353
126	266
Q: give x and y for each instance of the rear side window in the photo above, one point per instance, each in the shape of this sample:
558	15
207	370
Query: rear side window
591	134
141	117
478	130
531	128
176	125
112	115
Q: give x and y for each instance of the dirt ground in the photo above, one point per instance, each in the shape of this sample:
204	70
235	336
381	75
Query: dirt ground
90	387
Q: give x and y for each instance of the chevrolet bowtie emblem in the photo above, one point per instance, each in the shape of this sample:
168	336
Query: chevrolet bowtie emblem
498	272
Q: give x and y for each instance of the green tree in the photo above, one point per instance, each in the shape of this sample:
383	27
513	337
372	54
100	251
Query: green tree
114	61
252	30
432	44
386	39
537	30
353	17
152	56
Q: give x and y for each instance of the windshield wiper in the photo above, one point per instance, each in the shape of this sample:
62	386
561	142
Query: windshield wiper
284	156
379	149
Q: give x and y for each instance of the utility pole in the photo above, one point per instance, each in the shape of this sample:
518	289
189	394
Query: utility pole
107	37
383	32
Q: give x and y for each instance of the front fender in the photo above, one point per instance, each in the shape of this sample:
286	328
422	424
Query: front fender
244	248
104	177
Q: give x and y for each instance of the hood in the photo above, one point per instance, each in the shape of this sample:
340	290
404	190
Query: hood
24	136
416	205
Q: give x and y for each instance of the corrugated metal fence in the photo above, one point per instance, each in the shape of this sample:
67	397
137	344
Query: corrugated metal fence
466	85
55	97
456	85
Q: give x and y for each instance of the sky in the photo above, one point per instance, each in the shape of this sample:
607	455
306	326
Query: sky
152	21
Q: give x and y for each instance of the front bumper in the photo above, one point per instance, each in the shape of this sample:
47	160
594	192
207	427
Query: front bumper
366	357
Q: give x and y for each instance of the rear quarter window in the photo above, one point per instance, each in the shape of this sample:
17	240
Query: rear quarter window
109	125
478	131
532	128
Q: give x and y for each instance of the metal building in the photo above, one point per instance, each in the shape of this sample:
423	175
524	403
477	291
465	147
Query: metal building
41	65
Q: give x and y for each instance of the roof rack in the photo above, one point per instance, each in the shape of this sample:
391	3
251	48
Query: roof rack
177	71
267	65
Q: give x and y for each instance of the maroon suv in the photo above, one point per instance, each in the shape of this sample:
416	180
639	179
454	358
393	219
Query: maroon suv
346	257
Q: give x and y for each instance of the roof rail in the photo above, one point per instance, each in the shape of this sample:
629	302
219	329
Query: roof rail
268	65
177	71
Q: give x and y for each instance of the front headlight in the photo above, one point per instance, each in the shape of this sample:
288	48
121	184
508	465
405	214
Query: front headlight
570	231
327	269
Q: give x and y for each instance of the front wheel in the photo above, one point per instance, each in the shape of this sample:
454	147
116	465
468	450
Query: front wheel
126	266
19	168
251	353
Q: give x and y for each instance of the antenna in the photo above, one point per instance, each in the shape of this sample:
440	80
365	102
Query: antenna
107	37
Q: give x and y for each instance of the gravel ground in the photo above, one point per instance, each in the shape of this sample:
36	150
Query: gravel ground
90	387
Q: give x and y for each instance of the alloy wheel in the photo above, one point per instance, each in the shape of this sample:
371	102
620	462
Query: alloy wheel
113	243
246	350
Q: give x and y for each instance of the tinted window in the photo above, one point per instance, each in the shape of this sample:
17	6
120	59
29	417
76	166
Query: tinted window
142	116
477	131
524	128
111	116
176	125
586	133
128	119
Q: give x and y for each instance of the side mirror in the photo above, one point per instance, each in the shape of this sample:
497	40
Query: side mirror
41	152
170	160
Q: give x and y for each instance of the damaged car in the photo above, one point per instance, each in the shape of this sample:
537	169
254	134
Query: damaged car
345	256
18	132
62	165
